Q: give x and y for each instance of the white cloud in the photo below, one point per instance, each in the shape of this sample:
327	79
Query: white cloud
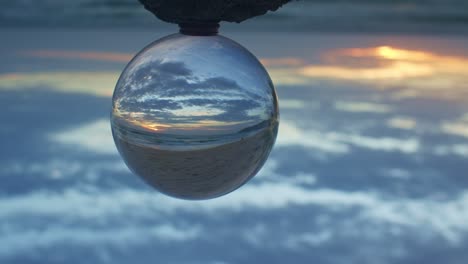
308	239
268	173
15	241
257	235
368	216
402	123
456	128
94	83
362	107
53	169
409	145
298	104
268	170
455	149
63	169
91	205
58	168
290	134
449	221
303	178
194	110
95	136
339	143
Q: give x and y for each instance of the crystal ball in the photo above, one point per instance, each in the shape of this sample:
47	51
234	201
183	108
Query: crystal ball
194	116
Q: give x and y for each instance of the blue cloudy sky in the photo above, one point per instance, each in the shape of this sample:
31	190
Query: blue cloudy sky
369	166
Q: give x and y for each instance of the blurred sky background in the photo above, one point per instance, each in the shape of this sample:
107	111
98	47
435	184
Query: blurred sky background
428	16
370	165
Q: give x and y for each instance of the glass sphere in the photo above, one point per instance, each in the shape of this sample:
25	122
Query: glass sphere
194	116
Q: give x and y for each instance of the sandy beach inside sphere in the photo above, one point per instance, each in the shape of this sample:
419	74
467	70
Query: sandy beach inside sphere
203	173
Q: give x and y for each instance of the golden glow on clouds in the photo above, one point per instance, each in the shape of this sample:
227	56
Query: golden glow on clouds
140	119
288	76
201	126
66	54
418	72
388	52
99	83
94	83
398	70
286	61
148	125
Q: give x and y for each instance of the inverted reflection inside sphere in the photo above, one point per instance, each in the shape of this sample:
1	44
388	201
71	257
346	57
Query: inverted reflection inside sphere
194	116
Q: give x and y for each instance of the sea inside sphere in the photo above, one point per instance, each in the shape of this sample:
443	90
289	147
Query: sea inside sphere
194	116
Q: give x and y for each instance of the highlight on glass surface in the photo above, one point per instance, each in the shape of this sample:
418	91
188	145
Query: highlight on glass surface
194	116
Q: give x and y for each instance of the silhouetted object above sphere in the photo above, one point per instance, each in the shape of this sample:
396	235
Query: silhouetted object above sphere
210	11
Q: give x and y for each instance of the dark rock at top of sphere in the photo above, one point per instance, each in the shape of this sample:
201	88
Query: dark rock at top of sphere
207	11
